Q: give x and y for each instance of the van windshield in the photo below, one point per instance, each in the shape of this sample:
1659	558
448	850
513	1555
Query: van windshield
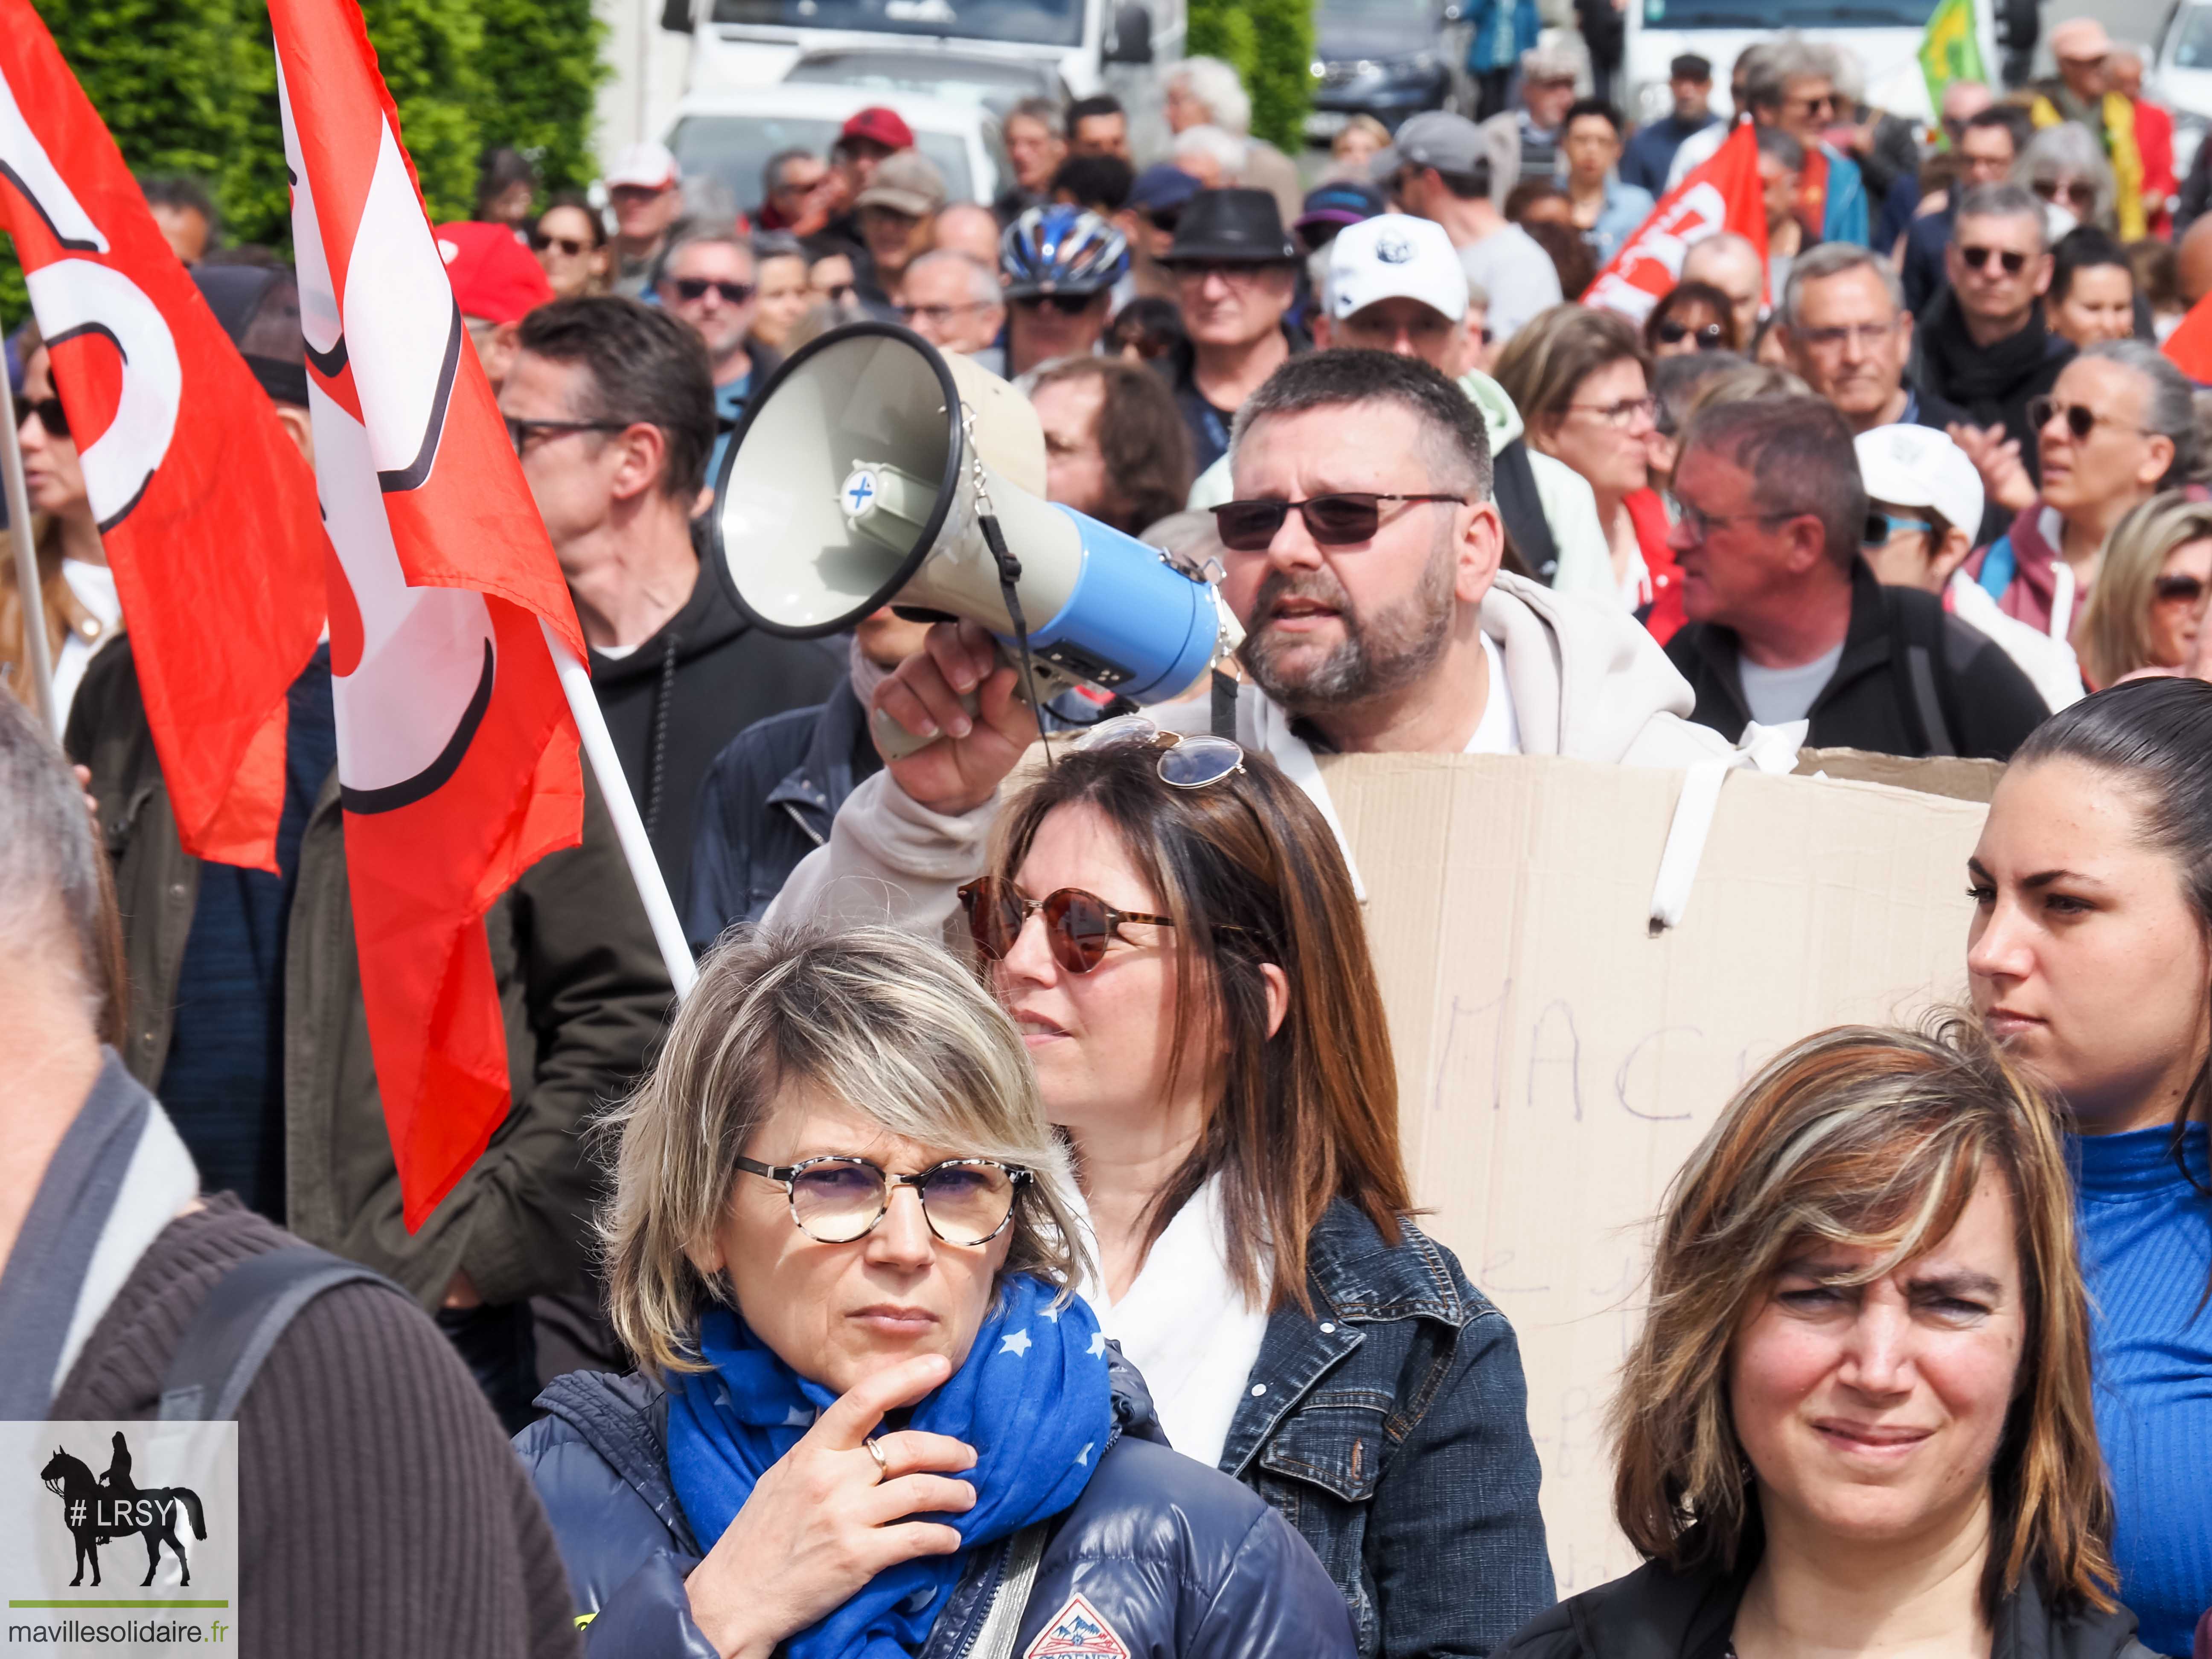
1028	22
1786	14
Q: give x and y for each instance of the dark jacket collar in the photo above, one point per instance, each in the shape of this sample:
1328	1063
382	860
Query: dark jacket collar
1866	643
1183	361
708	619
1968	374
835	761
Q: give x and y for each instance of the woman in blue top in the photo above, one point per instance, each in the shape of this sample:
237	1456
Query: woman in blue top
2091	959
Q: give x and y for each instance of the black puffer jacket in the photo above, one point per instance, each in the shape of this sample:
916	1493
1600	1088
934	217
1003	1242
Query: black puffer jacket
1656	1614
1179	1560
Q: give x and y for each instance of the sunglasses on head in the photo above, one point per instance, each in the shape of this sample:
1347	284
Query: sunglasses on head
1711	337
51	416
1068	305
1343	519
573	246
694	287
2178	590
1977	258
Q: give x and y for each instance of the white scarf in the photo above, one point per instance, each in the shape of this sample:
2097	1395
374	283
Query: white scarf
1187	1328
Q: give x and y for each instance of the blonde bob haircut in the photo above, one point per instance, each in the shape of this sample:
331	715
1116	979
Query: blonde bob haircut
1875	1139
2116	625
882	1023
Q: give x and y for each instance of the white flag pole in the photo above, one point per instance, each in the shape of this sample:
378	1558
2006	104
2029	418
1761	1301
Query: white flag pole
629	828
36	653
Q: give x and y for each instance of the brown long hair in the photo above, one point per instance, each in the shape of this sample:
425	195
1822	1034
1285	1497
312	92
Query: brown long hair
1877	1139
1251	873
1141	435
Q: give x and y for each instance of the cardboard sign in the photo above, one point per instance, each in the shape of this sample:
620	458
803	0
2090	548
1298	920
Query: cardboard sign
1557	1063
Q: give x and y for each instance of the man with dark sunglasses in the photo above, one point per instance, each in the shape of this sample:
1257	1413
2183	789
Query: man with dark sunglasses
1793	89
709	282
1982	343
1362	554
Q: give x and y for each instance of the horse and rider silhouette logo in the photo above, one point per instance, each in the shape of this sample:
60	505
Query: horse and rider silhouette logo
98	1511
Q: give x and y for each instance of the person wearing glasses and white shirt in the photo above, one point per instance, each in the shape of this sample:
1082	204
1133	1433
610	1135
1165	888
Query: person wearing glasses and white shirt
1361	555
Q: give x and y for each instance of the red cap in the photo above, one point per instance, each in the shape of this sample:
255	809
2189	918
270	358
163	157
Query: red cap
493	276
883	125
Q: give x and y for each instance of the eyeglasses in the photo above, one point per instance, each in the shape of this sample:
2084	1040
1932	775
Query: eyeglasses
1711	337
51	416
1868	336
1077	926
1622	414
574	247
2012	259
836	1201
520	433
1185	763
1811	106
2080	419
1343	519
1701	524
694	287
2178	590
1881	526
1068	305
2079	192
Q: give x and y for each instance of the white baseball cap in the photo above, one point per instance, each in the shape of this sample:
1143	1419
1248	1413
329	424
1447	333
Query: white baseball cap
1919	466
1395	256
650	165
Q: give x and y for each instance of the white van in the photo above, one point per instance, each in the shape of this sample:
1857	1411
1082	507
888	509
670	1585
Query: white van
948	47
1884	35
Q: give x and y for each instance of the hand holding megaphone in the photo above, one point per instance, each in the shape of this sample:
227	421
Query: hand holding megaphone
874	469
957	697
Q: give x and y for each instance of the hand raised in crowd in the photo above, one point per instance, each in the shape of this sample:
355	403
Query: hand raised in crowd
1997	459
827	1518
962	770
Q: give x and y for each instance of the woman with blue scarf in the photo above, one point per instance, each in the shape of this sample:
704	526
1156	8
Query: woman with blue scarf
872	1421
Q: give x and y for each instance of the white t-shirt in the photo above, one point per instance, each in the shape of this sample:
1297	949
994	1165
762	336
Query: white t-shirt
93	585
1513	269
1776	696
1498	731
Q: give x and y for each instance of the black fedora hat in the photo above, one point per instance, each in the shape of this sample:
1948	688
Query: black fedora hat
1231	227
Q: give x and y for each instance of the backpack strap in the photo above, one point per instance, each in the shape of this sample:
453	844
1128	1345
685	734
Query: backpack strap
240	1322
1919	630
1999	567
1513	482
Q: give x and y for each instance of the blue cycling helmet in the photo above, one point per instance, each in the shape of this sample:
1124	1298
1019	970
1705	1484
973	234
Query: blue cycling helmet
1061	250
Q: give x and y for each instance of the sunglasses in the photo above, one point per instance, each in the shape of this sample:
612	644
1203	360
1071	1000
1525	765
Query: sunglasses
1165	219
1711	337
2178	590
2079	192
574	247
1077	926
2080	419
1881	526
1186	762
694	287
1344	519
51	416
2013	261
1068	305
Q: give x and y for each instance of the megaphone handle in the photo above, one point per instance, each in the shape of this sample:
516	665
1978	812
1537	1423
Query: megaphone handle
894	742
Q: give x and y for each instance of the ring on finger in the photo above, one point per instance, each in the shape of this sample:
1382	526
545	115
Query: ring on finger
883	1464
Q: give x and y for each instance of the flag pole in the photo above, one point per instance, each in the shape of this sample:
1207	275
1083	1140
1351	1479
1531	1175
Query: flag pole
629	828
36	651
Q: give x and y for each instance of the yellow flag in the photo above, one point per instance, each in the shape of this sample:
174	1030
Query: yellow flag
1950	49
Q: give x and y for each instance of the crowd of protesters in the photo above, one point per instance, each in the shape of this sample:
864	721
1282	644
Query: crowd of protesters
1927	1359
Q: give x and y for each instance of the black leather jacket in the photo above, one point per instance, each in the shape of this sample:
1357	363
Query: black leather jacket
1178	1559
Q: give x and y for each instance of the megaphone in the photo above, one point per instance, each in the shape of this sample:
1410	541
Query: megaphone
875	470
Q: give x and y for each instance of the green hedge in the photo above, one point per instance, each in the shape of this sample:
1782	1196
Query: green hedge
1271	42
190	86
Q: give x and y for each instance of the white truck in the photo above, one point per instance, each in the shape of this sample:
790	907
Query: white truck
1884	35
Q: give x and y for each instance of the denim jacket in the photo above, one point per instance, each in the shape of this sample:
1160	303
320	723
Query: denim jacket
1390	1428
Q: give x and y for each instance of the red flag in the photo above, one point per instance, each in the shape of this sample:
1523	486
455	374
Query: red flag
205	509
2190	345
1725	193
457	754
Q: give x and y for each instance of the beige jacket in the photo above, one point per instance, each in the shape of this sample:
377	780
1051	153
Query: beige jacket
1587	682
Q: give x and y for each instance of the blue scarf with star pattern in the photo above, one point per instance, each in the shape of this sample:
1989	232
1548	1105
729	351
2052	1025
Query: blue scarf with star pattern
1032	1399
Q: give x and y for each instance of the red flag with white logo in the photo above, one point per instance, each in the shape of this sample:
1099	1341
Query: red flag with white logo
457	754
2189	347
205	509
1724	193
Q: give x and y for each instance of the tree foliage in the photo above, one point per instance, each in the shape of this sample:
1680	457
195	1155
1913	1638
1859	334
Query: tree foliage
1271	44
190	86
